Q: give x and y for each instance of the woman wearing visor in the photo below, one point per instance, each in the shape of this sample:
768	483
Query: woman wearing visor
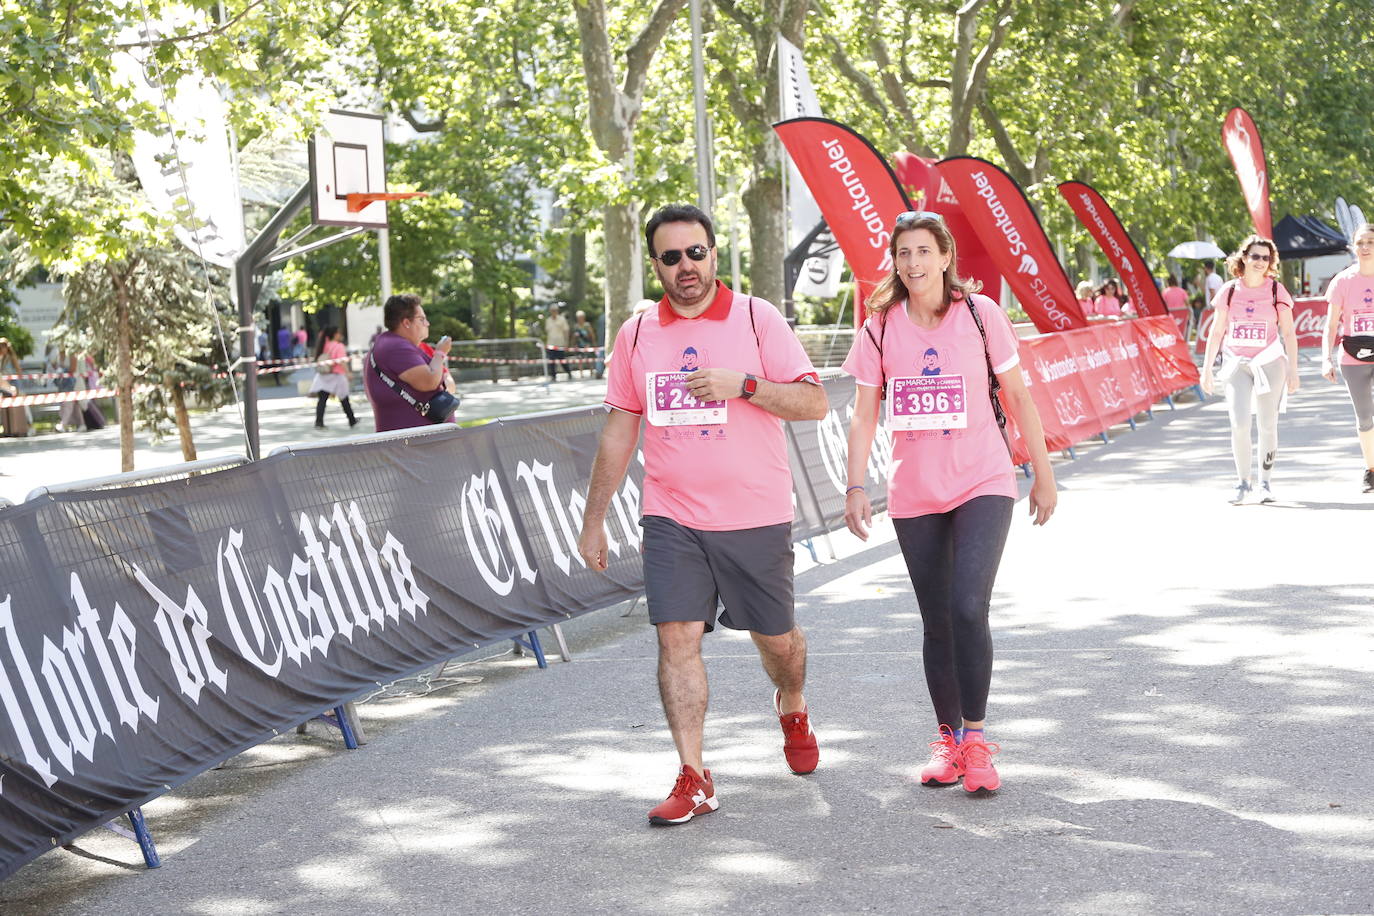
928	356
1252	326
1350	320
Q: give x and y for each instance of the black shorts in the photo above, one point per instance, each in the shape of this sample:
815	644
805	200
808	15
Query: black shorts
687	572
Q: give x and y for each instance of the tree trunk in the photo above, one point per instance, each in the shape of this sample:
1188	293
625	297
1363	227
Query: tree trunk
624	267
124	368
188	444
577	267
764	204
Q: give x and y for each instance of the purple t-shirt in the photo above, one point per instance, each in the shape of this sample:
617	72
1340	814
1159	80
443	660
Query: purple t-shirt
394	355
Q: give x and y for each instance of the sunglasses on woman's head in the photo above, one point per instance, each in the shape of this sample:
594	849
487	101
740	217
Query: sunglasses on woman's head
912	216
673	255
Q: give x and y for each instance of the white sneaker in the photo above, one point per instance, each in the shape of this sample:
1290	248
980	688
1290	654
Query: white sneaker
1243	491
1266	494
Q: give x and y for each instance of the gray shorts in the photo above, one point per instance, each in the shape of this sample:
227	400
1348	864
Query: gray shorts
687	572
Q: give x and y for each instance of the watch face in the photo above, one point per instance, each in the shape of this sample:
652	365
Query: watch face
751	385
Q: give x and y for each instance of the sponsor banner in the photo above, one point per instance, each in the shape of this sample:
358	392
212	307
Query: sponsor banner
1309	320
1085	381
1002	217
857	192
1102	224
1241	138
928	190
149	633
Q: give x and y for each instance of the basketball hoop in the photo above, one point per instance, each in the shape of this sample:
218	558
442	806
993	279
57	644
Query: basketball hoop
356	202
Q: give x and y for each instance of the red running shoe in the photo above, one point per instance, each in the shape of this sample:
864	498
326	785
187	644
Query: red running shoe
980	776
946	764
798	740
691	795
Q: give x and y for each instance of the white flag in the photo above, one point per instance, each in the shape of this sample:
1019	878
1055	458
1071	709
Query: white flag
191	176
819	276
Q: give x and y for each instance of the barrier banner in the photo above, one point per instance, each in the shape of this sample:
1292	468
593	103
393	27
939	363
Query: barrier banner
856	190
1241	138
1102	224
928	190
1002	217
1309	321
148	633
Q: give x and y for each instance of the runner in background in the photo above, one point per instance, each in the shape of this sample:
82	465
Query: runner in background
924	354
1176	302
1084	293
333	378
1252	325
717	497
1108	301
1351	310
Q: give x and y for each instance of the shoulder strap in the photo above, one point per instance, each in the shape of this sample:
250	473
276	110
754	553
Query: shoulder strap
1230	291
422	407
1275	290
994	385
754	327
878	342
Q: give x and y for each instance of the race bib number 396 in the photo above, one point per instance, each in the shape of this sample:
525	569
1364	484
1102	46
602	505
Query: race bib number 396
927	402
672	404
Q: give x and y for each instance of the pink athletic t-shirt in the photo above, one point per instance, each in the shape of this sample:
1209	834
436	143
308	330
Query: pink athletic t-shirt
721	474
1109	306
1353	294
1253	321
1175	298
938	469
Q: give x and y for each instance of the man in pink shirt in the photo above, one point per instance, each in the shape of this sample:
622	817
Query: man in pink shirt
714	373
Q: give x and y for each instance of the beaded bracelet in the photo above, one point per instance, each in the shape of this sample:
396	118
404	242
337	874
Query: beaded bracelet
855	487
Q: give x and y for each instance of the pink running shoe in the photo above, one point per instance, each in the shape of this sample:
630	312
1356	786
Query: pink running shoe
980	776
691	795
798	740
946	764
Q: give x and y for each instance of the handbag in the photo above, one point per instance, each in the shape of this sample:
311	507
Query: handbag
436	410
1361	347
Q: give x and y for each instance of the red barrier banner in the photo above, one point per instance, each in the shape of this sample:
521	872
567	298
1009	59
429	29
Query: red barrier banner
1241	138
1102	224
1012	235
856	190
1309	321
1085	381
927	190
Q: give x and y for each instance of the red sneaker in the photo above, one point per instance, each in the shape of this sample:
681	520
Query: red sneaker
691	795
979	774
798	740
946	764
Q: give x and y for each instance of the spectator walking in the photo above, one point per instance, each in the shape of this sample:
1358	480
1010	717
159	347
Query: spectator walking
332	376
556	337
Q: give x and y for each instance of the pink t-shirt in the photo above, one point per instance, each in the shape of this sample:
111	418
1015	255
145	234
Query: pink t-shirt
1110	306
711	476
334	350
1252	322
1353	294
939	469
1175	298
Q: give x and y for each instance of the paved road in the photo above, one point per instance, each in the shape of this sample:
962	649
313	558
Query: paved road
1180	694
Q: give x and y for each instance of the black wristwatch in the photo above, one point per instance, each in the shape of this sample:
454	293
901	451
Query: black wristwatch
749	388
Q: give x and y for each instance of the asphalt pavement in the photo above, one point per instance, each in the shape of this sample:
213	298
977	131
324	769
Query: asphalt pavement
1180	696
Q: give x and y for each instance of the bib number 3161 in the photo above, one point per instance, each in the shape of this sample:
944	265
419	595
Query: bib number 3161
927	402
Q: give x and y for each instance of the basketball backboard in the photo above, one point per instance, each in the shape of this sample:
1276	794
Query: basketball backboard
347	157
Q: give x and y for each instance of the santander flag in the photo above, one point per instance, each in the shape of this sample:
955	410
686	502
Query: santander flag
1241	138
856	190
1094	213
928	191
1002	217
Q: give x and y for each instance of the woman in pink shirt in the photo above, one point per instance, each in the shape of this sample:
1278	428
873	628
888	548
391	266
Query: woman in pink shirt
1084	292
931	351
1350	318
1252	326
1108	301
331	377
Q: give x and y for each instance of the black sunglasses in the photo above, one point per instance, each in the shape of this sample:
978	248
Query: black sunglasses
673	255
1259	257
912	216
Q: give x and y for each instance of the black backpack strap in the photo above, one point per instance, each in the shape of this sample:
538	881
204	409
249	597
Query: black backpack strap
755	328
878	342
1230	291
994	385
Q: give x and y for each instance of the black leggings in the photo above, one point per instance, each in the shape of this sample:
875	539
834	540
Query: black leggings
952	558
322	399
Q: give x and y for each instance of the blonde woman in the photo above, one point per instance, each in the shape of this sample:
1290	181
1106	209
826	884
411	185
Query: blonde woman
1252	326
